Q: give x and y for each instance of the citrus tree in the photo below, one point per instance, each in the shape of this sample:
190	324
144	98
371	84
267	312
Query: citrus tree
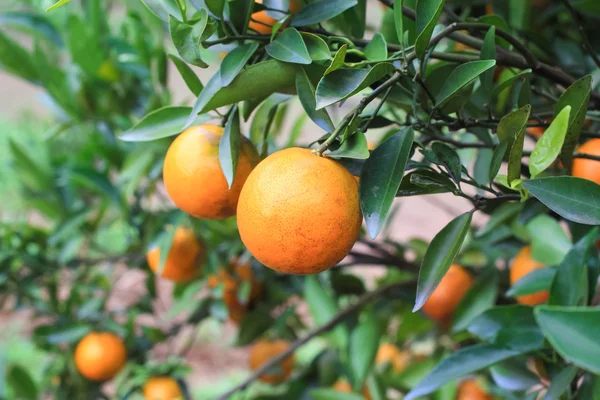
493	103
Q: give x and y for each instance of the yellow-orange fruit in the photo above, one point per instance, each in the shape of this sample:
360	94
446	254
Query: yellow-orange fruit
588	169
299	213
193	176
522	265
231	283
263	351
100	355
446	297
185	259
389	353
162	388
470	390
342	385
262	22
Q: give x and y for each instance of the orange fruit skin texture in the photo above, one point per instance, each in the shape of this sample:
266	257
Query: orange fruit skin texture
522	265
193	176
231	283
263	351
389	353
299	213
588	169
470	390
342	385
446	297
100	356
185	258
536	131
162	388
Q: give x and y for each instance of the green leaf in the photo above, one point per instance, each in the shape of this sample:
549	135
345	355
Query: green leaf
189	77
549	145
570	285
323	307
449	159
253	325
216	7
21	383
332	394
577	96
428	12
504	85
364	342
306	95
162	8
355	147
497	158
461	77
376	50
439	256
321	10
69	335
561	382
257	81
499	216
551	247
289	47
422	182
511	130
343	83
59	3
165	242
513	375
317	47
398	19
161	123
234	61
98	182
32	22
488	52
16	60
478	299
573	332
460	363
381	177
229	147
338	59
534	282
575	199
187	38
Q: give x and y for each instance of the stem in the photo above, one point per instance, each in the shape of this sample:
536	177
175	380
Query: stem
332	323
357	110
586	42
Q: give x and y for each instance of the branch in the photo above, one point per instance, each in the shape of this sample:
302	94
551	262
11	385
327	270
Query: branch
332	323
586	42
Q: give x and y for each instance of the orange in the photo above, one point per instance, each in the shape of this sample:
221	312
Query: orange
231	283
588	169
185	258
388	353
299	213
262	22
342	385
100	355
522	265
446	297
162	388
470	390
193	176
263	351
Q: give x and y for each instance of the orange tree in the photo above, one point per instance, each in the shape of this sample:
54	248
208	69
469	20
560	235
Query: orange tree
501	309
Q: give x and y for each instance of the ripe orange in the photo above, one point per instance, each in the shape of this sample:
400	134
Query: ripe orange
342	385
588	169
522	265
470	390
185	258
446	297
162	388
299	213
263	351
389	353
231	283
193	176
262	22
100	355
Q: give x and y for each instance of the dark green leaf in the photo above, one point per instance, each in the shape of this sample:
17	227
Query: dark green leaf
551	247
289	47
317	47
97	182
497	158
488	52
343	83
364	342
188	75
534	282
381	177
504	85
229	147
499	216
570	285
461	77
513	375
252	326
306	95
34	23
234	61
398	17
449	159
440	254
323	307
511	130
573	332
561	383
321	10
478	299
69	335
338	59
549	145
16	60
161	123
428	12
424	182
22	384
376	50
508	325
355	147
216	7
575	199
577	96
186	38
332	394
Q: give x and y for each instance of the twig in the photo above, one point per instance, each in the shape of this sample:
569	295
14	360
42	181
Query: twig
332	323
579	23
